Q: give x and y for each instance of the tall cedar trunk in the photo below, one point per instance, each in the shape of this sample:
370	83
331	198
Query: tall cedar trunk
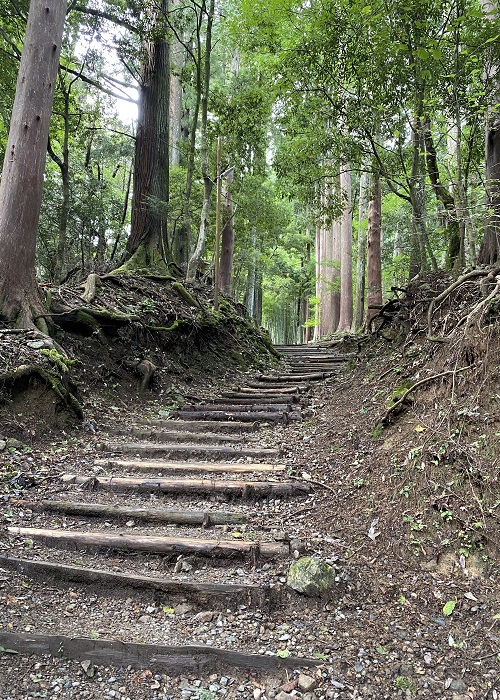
24	164
227	242
148	233
346	305
359	316
489	252
374	258
318	255
252	270
177	55
305	306
207	181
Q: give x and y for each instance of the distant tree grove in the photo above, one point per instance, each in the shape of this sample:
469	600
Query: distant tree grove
353	147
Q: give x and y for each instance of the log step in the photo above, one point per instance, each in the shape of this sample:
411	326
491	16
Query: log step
229	397
299	387
152	544
266	391
200	426
168	436
201	593
236	408
157	448
250	416
206	486
314	376
195	660
209	467
197	518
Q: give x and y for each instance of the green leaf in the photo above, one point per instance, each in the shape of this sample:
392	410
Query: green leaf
8	651
169	610
283	653
382	650
449	607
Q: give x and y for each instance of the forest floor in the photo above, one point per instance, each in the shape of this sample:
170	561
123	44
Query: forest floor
404	505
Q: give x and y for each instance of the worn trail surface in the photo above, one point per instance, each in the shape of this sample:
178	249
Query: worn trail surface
160	554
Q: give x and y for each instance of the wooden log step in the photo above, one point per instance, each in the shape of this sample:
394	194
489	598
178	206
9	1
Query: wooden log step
246	400
265	391
199	426
236	408
196	659
299	387
292	377
196	518
150	449
263	416
152	544
202	593
206	486
178	436
208	467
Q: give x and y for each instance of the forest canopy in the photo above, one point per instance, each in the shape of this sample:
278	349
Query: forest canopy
305	158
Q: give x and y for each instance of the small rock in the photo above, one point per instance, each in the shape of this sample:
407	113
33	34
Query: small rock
3	445
457	684
182	608
205	616
306	683
257	693
284	696
309	696
144	618
36	344
12	442
311	576
88	668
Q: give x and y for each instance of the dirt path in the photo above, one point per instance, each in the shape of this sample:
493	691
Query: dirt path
154	565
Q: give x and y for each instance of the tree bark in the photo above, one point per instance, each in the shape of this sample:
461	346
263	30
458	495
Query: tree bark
346	306
227	243
374	259
489	252
207	181
147	245
361	259
24	164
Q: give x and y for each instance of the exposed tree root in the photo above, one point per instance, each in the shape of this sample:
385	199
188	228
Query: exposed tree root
52	380
401	400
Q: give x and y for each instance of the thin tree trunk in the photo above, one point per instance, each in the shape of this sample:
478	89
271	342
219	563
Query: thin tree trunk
346	305
374	258
207	181
227	241
361	259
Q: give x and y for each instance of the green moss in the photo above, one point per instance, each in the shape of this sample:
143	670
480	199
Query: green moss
399	391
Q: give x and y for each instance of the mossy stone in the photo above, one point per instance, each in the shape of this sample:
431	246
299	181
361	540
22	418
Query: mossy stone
311	576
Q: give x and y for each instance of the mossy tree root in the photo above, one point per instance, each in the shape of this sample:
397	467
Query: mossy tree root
52	380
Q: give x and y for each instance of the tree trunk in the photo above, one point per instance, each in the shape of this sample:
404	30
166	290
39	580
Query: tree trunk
147	245
489	252
374	258
207	181
227	242
346	306
318	256
24	164
252	271
443	195
361	259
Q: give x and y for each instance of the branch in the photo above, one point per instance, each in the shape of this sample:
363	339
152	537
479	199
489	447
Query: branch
107	15
10	42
